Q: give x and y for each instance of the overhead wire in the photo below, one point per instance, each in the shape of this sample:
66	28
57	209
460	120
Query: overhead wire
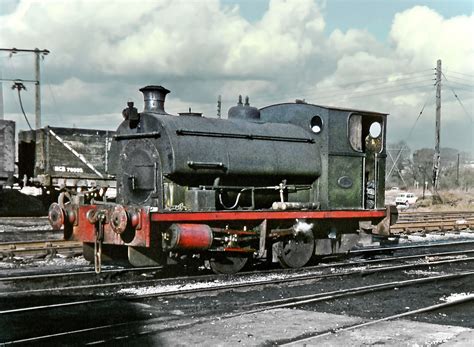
52	94
12	66
462	106
468	90
388	85
462	84
383	79
461	73
10	55
377	90
367	92
459	100
44	72
383	82
461	78
22	108
406	139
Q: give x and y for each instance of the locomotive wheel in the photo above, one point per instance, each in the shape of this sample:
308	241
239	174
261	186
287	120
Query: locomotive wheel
226	265
295	252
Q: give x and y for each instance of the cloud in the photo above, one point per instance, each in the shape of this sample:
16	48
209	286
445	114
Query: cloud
421	35
102	52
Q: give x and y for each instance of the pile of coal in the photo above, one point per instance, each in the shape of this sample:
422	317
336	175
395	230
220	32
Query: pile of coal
13	203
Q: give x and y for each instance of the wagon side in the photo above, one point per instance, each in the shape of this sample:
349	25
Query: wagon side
7	151
65	157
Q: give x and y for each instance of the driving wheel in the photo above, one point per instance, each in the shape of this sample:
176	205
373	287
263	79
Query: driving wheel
296	251
226	264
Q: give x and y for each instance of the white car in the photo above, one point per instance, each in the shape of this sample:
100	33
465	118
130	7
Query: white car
405	199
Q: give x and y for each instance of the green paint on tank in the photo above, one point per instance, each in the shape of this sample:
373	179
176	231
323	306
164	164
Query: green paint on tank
345	182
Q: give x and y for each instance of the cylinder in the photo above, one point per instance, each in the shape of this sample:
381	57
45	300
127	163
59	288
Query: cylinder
188	237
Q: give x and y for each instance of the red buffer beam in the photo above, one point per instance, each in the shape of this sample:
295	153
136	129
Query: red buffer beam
261	215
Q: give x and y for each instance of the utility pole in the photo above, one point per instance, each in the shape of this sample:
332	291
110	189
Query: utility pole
457	171
39	53
37	90
219	106
437	154
1	95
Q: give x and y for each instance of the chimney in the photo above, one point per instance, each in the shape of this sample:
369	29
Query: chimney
154	97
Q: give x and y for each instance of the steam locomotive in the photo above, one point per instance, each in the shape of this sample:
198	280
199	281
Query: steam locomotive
283	183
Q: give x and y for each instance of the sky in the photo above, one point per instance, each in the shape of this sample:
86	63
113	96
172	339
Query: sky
375	55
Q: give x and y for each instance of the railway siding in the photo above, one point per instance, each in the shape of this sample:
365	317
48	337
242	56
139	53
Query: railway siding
35	248
432	221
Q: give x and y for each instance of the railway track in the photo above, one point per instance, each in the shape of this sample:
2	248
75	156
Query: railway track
210	283
111	278
433	221
429	216
9	250
144	315
153	326
314	338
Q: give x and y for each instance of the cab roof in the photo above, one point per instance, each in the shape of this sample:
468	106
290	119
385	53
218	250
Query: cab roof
335	108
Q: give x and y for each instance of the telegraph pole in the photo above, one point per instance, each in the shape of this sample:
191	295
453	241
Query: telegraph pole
37	90
219	106
1	95
457	170
39	53
437	154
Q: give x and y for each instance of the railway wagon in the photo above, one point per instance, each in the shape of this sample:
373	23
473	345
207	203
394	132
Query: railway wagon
70	158
283	183
7	152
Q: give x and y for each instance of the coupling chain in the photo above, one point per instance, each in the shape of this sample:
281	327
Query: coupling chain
99	237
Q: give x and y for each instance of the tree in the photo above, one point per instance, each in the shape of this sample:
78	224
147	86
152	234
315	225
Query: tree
449	177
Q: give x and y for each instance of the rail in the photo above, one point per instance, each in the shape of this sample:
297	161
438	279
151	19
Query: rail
43	247
433	221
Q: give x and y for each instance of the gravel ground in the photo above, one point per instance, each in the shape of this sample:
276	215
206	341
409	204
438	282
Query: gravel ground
27	229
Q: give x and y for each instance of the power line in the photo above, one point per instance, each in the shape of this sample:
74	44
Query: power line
39	53
376	91
53	95
462	84
458	87
17	80
388	85
8	56
461	73
360	93
461	78
462	106
406	140
459	100
19	86
383	80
